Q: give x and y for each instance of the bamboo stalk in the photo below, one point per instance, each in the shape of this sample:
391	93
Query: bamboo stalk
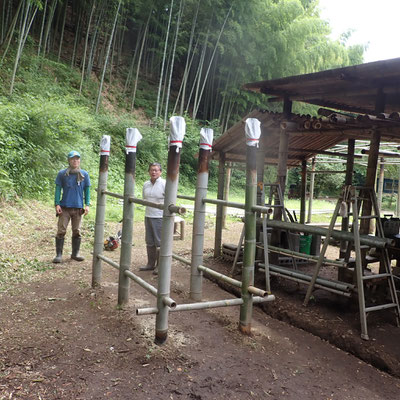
100	214
196	276
127	227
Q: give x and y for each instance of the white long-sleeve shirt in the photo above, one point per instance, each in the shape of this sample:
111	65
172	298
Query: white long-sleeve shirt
155	193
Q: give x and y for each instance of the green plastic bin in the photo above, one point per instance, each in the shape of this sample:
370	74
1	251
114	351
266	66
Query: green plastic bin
305	244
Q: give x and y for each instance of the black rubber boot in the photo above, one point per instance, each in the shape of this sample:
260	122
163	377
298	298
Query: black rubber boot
59	250
76	245
155	272
151	259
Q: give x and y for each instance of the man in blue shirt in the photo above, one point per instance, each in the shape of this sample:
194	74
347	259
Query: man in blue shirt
74	183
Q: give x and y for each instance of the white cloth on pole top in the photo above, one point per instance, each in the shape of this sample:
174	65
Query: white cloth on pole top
105	145
177	132
133	136
253	131
206	138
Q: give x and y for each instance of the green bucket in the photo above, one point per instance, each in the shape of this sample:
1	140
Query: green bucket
305	244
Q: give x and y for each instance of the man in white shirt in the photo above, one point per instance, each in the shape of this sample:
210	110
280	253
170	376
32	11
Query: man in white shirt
153	190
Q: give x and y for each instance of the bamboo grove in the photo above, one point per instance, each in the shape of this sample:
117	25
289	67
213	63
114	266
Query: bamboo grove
195	54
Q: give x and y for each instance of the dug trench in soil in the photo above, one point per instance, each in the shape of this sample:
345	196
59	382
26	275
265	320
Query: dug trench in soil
328	316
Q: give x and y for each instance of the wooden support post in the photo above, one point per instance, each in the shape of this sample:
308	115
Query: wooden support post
282	170
220	196
310	200
260	157
226	192
370	179
398	195
381	181
372	163
347	181
303	191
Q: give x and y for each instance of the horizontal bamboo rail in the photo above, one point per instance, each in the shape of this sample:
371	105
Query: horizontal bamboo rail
205	305
304	256
341	286
172	207
141	282
234	282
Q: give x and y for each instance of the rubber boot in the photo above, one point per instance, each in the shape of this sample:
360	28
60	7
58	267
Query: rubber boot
155	272
76	245
151	259
59	250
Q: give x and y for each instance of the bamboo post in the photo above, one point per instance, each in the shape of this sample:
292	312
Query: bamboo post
311	198
196	276
253	133
381	181
303	191
100	211
220	196
133	136
178	128
226	192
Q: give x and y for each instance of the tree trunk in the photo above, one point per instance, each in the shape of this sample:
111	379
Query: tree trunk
163	60
10	32
172	63
187	66
23	34
146	29
86	45
106	57
42	28
62	31
209	65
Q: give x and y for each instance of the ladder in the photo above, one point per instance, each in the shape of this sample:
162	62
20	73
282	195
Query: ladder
349	195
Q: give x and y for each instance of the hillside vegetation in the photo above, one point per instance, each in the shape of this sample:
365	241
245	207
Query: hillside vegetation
72	71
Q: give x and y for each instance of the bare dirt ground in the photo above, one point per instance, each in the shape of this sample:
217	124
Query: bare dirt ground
60	339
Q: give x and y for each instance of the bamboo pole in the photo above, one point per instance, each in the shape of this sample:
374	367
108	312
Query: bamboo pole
226	192
132	136
178	128
205	305
100	211
303	191
220	196
253	133
368	240
141	282
199	217
311	198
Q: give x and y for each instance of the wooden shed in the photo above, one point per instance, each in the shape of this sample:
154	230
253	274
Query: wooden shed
357	102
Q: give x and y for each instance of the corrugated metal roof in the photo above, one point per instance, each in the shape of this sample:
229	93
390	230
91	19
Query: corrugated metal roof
354	88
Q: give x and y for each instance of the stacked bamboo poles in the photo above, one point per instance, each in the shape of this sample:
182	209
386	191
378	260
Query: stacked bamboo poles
178	130
133	136
196	276
100	211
